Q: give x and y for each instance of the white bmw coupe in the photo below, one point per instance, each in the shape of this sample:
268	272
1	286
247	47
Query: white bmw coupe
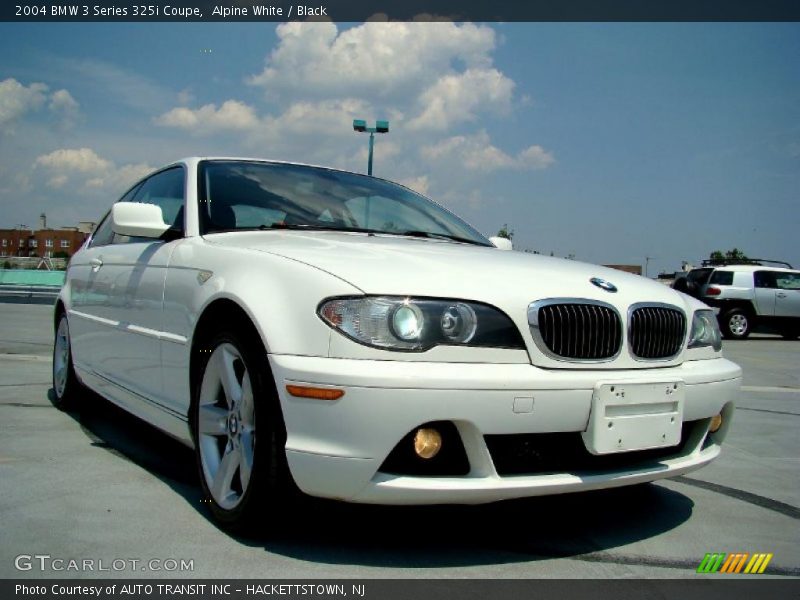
304	327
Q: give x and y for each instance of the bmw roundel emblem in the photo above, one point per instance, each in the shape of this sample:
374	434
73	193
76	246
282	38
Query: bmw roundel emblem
603	284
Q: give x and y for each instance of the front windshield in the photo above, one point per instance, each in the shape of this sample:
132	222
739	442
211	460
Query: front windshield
258	195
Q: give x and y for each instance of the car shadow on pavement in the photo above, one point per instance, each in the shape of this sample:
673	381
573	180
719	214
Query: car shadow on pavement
329	532
760	339
503	532
114	430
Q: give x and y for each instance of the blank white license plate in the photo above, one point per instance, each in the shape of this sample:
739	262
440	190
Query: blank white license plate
635	416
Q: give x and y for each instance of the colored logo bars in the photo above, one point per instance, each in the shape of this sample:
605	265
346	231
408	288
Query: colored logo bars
720	562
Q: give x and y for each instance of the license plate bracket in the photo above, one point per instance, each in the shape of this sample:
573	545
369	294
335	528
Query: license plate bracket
635	416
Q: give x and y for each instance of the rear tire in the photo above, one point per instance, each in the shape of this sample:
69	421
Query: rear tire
66	387
736	324
243	474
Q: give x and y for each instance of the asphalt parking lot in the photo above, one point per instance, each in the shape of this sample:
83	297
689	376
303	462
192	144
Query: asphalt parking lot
102	485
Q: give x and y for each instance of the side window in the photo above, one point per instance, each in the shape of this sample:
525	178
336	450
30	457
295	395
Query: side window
722	278
764	279
699	276
165	190
103	234
128	197
788	281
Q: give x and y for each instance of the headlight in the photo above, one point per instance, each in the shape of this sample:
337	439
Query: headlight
705	330
418	324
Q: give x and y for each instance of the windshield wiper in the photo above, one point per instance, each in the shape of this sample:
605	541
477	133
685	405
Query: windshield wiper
312	227
440	236
309	227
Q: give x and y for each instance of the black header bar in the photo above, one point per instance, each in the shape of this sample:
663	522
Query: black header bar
399	10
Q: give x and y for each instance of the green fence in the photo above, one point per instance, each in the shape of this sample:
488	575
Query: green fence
30	277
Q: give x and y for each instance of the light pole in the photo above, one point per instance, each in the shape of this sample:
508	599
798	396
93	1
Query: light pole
647	260
360	125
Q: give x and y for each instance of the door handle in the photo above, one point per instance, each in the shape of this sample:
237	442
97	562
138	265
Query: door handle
781	295
96	264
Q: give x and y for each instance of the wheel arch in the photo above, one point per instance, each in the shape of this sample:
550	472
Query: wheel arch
745	305
215	313
58	310
225	318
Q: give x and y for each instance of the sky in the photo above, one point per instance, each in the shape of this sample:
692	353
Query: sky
610	142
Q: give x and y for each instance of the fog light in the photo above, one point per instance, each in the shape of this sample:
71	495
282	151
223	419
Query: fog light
716	423
427	442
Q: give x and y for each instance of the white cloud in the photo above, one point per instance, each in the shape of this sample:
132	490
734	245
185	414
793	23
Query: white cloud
455	98
185	96
476	152
320	76
232	115
421	76
116	84
82	160
435	82
314	132
383	150
65	106
374	58
419	184
322	118
83	167
536	157
120	178
17	99
332	117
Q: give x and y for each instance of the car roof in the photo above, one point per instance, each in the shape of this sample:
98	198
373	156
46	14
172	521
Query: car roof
194	160
197	159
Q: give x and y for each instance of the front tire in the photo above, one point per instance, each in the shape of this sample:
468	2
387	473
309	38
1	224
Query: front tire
791	333
736	324
66	387
243	473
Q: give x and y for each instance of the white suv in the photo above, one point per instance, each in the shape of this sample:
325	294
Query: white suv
751	295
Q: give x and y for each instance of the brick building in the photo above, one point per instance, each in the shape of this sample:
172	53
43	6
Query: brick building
44	242
635	269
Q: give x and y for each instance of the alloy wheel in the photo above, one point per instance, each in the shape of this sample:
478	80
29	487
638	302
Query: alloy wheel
61	358
738	324
226	426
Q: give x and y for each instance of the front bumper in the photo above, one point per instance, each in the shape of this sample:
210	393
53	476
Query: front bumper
336	449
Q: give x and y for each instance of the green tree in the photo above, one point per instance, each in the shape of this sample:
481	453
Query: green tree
505	232
733	255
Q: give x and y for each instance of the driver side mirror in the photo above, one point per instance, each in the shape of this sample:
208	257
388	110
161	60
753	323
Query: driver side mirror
501	243
138	220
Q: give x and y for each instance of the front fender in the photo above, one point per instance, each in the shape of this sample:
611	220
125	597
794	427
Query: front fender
280	295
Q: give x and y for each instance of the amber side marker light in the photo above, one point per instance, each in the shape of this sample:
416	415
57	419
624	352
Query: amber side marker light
716	423
427	442
304	391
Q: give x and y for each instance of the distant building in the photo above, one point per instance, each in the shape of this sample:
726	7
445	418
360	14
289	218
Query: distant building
44	242
635	269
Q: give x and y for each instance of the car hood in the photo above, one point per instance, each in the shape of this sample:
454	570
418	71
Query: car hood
396	265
